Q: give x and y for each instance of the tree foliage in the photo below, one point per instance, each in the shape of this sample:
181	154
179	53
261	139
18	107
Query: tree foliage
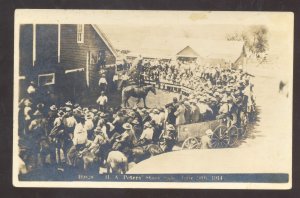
255	38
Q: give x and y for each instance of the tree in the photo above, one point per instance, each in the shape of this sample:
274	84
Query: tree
255	38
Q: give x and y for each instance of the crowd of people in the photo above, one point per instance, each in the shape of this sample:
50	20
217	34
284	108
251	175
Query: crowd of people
213	91
61	134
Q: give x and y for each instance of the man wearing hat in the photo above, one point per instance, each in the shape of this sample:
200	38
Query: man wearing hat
137	128
180	119
206	139
80	138
155	116
32	90
127	139
25	115
69	104
169	138
37	125
205	110
69	122
58	121
188	112
52	114
37	132
100	140
89	125
40	108
224	108
147	135
195	111
119	121
102	101
102	83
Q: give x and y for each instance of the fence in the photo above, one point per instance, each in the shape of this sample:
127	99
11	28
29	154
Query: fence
171	87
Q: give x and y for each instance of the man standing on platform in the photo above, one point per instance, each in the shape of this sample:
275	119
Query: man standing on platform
102	83
102	101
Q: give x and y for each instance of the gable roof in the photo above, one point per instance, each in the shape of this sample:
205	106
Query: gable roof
215	49
188	52
105	40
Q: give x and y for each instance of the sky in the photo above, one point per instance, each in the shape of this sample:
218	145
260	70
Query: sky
133	26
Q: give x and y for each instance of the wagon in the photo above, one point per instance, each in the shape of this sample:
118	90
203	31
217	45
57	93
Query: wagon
223	137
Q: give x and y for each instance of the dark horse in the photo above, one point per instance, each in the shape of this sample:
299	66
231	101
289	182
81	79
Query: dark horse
136	92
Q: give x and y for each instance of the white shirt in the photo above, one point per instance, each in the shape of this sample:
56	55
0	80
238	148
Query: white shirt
102	81
203	108
70	121
102	100
224	109
125	77
80	134
26	113
147	134
30	89
88	125
57	122
116	77
156	118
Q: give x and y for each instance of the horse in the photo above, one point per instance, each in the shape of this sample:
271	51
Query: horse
87	161
140	153
136	92
117	162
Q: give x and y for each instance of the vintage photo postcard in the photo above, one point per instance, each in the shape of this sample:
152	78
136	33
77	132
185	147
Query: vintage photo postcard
153	99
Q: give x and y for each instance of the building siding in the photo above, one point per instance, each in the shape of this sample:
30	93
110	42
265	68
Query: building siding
25	50
46	48
74	55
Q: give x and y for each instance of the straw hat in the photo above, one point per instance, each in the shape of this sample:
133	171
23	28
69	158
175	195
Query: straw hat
98	129
69	103
147	124
68	109
94	110
60	113
135	122
170	127
53	108
76	105
102	115
126	126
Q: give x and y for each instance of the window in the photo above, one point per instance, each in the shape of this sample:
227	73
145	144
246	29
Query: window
46	79
80	33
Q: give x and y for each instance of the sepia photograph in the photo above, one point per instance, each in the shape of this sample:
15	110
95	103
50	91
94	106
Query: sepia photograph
153	99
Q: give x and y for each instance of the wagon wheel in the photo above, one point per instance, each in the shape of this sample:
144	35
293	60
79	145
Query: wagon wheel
190	143
220	137
233	134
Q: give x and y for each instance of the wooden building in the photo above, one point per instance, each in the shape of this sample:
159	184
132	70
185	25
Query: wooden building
63	58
